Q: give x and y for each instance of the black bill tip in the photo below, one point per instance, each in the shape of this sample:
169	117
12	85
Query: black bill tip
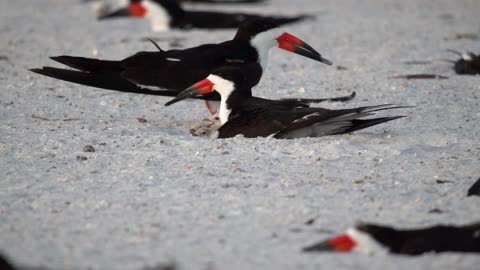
319	247
325	61
187	93
116	14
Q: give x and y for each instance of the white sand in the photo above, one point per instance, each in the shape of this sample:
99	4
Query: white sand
151	193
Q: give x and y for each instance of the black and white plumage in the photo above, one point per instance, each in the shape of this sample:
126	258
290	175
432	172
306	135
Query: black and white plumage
241	113
168	14
468	64
371	238
166	73
224	1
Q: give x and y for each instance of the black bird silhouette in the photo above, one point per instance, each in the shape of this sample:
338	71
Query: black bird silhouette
468	64
241	113
166	73
371	238
168	14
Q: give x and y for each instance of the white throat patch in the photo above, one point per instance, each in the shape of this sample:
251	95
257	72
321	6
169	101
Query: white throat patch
467	56
365	243
158	16
224	88
263	42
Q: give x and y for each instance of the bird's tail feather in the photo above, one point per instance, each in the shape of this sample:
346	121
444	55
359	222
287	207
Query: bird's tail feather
88	64
102	80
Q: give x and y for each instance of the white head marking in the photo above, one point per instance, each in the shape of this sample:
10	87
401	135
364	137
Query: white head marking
365	243
467	56
158	15
263	42
224	88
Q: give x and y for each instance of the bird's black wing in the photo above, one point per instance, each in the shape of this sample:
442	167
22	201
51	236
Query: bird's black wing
217	20
322	122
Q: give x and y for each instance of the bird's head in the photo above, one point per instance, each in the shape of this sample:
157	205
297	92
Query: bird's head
160	12
225	80
363	238
263	34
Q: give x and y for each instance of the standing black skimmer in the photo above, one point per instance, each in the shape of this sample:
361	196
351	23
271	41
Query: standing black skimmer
468	64
166	73
369	239
242	114
167	14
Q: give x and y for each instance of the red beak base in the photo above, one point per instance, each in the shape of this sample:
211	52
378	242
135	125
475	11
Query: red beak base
288	42
203	87
200	88
293	44
342	243
136	10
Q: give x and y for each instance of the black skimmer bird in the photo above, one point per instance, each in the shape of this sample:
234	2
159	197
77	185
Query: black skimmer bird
224	1
5	264
474	189
104	7
241	113
370	239
468	64
168	14
166	73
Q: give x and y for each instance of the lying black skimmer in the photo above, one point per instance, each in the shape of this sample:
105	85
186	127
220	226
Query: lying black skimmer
5	264
104	7
474	190
224	1
370	239
468	64
166	73
242	114
168	14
